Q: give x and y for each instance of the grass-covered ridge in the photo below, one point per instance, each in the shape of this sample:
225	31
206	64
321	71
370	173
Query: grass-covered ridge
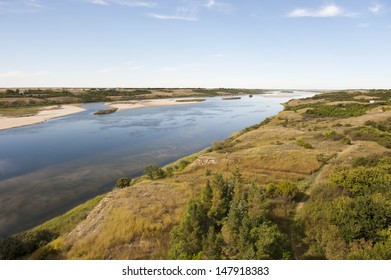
317	186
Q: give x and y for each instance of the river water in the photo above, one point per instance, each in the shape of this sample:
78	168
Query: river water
46	169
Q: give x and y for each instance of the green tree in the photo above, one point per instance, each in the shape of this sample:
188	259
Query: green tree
154	172
187	238
122	183
221	197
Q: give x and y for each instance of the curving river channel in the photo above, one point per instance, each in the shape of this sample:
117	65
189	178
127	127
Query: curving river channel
46	169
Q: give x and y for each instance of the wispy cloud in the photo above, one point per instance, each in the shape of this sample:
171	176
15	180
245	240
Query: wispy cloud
20	6
173	17
218	6
331	10
99	2
34	4
190	10
376	8
127	3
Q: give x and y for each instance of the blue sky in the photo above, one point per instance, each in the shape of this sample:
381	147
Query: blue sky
196	43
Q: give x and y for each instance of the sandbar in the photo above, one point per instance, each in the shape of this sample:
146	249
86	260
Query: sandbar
149	103
47	113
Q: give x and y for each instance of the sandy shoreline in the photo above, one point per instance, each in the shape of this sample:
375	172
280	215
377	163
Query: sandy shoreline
149	103
47	113
52	112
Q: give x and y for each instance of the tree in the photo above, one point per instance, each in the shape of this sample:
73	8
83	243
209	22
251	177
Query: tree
186	239
154	172
123	183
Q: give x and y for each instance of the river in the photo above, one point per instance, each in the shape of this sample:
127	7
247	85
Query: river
48	168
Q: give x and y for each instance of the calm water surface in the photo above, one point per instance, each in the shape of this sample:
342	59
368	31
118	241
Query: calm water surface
48	168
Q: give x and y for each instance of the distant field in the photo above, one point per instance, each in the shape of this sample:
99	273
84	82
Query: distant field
34	97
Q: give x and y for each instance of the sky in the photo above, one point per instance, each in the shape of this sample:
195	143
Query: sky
282	44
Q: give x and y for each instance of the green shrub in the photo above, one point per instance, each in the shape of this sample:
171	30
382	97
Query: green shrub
304	144
123	183
154	172
21	244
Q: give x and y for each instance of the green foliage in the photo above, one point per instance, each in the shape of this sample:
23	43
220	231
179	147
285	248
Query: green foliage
338	111
123	183
19	245
255	126
154	172
287	189
226	222
362	180
350	217
379	132
304	144
183	164
222	146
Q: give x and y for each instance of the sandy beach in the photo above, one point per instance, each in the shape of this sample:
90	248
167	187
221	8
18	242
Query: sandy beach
52	112
148	103
47	113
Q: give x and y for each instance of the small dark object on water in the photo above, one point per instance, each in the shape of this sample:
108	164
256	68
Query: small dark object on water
106	111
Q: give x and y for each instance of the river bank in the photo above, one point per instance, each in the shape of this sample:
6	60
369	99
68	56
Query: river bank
150	103
56	111
49	112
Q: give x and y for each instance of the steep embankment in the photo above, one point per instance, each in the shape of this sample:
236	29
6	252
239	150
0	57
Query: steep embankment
288	157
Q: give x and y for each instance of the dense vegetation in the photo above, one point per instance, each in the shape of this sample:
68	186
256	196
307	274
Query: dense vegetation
350	216
226	222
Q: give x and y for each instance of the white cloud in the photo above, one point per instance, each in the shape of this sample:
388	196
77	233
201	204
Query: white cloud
187	12
173	17
20	6
376	8
127	3
218	6
191	8
331	10
34	4
99	2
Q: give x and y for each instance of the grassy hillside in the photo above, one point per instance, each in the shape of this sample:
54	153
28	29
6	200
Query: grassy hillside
310	183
